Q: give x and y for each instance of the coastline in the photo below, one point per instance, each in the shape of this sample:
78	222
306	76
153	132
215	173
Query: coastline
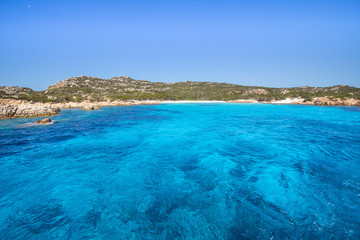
188	101
11	108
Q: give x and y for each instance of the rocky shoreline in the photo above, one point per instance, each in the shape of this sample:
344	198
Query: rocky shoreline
320	101
10	108
25	109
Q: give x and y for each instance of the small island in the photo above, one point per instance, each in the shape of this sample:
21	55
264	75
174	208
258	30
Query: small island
90	93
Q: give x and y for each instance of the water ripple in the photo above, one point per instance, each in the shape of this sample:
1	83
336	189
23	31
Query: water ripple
183	171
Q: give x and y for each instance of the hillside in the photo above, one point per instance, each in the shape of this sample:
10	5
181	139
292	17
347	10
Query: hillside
82	88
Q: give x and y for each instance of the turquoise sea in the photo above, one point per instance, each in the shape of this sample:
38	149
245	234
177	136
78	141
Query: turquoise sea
183	171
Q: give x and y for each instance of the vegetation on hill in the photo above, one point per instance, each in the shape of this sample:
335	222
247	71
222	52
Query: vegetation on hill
82	88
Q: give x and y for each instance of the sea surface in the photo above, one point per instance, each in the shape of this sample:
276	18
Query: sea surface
183	171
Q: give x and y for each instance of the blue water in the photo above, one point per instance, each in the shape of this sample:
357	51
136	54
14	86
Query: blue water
183	171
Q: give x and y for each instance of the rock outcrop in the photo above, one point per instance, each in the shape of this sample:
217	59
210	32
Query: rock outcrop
43	121
10	108
257	91
334	102
351	102
87	105
14	92
322	101
23	109
90	108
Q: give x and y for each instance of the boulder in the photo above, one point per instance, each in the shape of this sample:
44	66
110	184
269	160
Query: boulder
323	101
43	121
351	102
89	108
336	101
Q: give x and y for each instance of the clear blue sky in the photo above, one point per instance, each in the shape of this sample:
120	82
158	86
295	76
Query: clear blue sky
269	43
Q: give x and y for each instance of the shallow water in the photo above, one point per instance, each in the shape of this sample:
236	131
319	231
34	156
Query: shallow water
183	171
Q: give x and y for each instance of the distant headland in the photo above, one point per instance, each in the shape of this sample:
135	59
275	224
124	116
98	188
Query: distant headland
92	92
